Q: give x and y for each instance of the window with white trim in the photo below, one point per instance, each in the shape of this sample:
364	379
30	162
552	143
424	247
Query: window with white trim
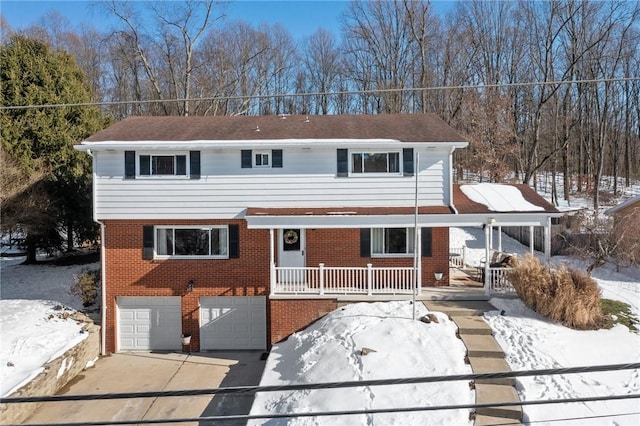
261	159
375	162
201	241
392	241
162	165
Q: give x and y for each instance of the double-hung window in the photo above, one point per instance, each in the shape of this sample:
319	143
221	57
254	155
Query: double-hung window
392	241
163	165
261	159
205	241
375	162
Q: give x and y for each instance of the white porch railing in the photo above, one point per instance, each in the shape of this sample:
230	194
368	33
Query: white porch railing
457	257
499	281
323	279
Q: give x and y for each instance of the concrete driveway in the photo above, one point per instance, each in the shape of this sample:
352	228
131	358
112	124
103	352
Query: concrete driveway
143	371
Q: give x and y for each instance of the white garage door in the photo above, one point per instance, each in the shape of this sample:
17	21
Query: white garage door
233	322
149	323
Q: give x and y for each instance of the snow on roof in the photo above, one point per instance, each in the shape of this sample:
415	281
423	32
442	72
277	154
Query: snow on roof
499	198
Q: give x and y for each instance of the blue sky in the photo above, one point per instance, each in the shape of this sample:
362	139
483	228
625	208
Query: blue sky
301	17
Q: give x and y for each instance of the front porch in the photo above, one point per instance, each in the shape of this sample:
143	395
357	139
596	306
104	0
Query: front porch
388	283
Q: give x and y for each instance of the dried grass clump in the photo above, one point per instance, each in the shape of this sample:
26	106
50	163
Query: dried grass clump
565	295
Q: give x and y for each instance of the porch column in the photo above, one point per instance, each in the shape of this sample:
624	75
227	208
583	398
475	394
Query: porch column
272	262
531	239
547	241
500	238
490	237
487	257
418	250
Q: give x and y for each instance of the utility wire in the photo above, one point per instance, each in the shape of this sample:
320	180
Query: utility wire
343	412
329	385
337	93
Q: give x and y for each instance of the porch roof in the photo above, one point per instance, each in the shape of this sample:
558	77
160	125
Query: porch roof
466	205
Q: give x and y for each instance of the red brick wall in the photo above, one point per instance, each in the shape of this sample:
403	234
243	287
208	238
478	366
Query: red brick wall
127	274
289	316
341	247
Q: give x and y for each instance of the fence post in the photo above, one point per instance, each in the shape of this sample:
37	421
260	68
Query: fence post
369	278
321	272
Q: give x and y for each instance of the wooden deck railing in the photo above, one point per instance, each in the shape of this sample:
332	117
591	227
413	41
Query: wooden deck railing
457	257
323	280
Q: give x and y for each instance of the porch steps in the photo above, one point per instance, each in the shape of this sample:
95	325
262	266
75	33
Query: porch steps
485	355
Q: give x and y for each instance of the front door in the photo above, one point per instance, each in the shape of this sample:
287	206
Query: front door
291	255
291	248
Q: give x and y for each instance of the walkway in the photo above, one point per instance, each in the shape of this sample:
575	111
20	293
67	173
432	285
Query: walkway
485	356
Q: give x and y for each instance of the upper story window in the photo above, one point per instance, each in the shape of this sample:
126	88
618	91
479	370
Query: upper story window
208	241
261	159
163	165
166	165
392	241
375	162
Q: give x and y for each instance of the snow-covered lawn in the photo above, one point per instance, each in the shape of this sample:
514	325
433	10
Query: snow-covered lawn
33	328
33	332
330	350
327	351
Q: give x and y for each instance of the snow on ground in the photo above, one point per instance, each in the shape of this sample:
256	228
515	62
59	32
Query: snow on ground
39	282
531	342
33	332
329	350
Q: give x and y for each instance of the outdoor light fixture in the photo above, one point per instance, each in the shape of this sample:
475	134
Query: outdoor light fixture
491	221
190	286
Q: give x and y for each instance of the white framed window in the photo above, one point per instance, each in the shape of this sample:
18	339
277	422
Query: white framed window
392	241
262	158
373	162
192	241
163	165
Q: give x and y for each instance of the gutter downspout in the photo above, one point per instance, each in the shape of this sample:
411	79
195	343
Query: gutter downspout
103	272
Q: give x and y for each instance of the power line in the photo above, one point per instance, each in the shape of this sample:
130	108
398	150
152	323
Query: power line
310	94
344	412
327	385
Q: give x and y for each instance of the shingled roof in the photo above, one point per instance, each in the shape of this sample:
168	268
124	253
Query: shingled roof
402	127
465	205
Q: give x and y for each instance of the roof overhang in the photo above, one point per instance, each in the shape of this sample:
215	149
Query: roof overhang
263	143
399	221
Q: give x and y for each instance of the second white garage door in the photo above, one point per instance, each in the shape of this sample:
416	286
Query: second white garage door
233	322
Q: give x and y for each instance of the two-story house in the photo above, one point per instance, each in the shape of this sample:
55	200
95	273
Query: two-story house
242	230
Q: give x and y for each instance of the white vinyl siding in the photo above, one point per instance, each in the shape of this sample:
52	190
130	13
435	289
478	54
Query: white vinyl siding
307	178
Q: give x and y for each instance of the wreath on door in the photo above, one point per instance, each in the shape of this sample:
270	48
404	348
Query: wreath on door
291	237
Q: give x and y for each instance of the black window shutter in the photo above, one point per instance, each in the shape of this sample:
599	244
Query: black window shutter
129	164
343	162
407	161
147	242
276	158
365	242
426	242
246	158
194	164
234	241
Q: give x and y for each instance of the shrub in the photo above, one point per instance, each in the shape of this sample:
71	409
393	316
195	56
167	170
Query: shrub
85	285
565	295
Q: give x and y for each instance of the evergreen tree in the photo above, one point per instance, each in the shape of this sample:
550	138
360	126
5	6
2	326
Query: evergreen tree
52	200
